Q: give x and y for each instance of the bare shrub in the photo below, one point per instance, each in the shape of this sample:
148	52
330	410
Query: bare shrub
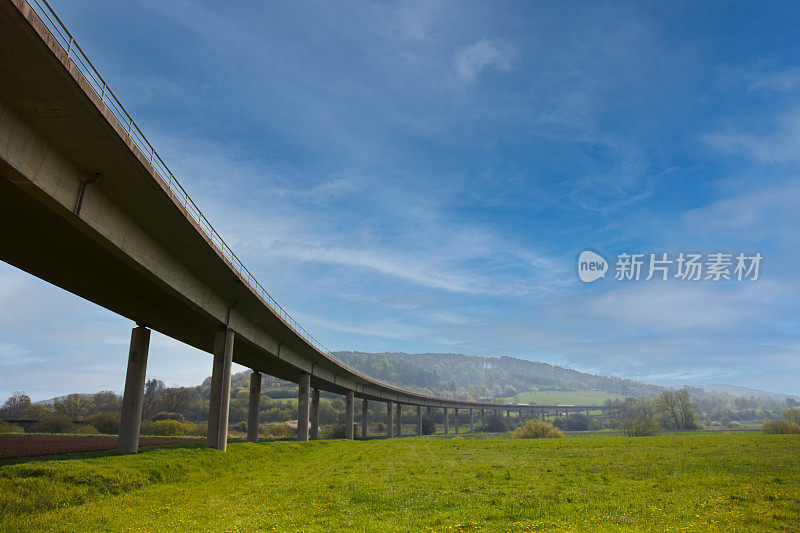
167	428
536	429
278	430
8	427
53	423
780	426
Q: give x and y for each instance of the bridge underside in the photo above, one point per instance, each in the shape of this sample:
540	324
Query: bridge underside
135	247
121	251
82	207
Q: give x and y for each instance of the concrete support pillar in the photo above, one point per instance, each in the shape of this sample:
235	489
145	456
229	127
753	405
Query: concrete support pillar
349	417
253	406
302	407
446	422
455	416
399	423
364	416
483	419
495	412
313	430
133	397
471	421
389	419
220	390
419	421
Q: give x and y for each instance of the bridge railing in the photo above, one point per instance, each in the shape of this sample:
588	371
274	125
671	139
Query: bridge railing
77	57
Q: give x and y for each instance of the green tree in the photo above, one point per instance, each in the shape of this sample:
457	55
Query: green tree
74	406
494	424
153	389
106	401
54	423
16	406
791	415
638	418
675	409
37	411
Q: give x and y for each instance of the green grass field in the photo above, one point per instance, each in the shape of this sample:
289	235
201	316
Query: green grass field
722	481
565	397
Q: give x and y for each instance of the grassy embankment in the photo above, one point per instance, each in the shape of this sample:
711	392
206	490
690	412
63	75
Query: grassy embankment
734	481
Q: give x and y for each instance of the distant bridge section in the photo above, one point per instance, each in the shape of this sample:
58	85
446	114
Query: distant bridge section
87	204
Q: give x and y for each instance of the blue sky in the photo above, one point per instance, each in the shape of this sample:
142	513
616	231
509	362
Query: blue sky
421	177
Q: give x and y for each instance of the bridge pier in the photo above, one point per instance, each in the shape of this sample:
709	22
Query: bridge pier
446	422
313	430
253	406
133	397
455	416
302	406
364	417
389	419
483	420
430	417
220	394
419	421
471	421
349	418
399	422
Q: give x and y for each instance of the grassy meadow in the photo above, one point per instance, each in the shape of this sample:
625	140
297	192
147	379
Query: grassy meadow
722	481
553	397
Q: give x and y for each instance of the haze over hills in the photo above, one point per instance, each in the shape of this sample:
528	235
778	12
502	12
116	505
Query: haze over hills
458	376
472	377
735	390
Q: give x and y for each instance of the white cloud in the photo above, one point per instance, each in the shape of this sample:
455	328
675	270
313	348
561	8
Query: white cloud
422	267
471	60
778	142
762	215
676	305
785	80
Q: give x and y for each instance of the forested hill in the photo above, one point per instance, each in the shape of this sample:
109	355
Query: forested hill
473	377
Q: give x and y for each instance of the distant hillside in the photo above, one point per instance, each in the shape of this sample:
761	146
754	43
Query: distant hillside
473	377
735	390
464	377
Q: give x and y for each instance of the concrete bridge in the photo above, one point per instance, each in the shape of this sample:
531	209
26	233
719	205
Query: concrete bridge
87	204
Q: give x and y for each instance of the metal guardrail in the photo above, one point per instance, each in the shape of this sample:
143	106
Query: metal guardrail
76	55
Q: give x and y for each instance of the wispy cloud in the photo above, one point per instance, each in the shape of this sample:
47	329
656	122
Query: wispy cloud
784	80
779	142
471	60
674	306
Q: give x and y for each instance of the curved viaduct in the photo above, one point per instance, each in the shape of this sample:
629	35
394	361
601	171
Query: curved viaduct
88	205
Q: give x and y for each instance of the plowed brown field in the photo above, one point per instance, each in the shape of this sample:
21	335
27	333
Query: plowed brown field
14	446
